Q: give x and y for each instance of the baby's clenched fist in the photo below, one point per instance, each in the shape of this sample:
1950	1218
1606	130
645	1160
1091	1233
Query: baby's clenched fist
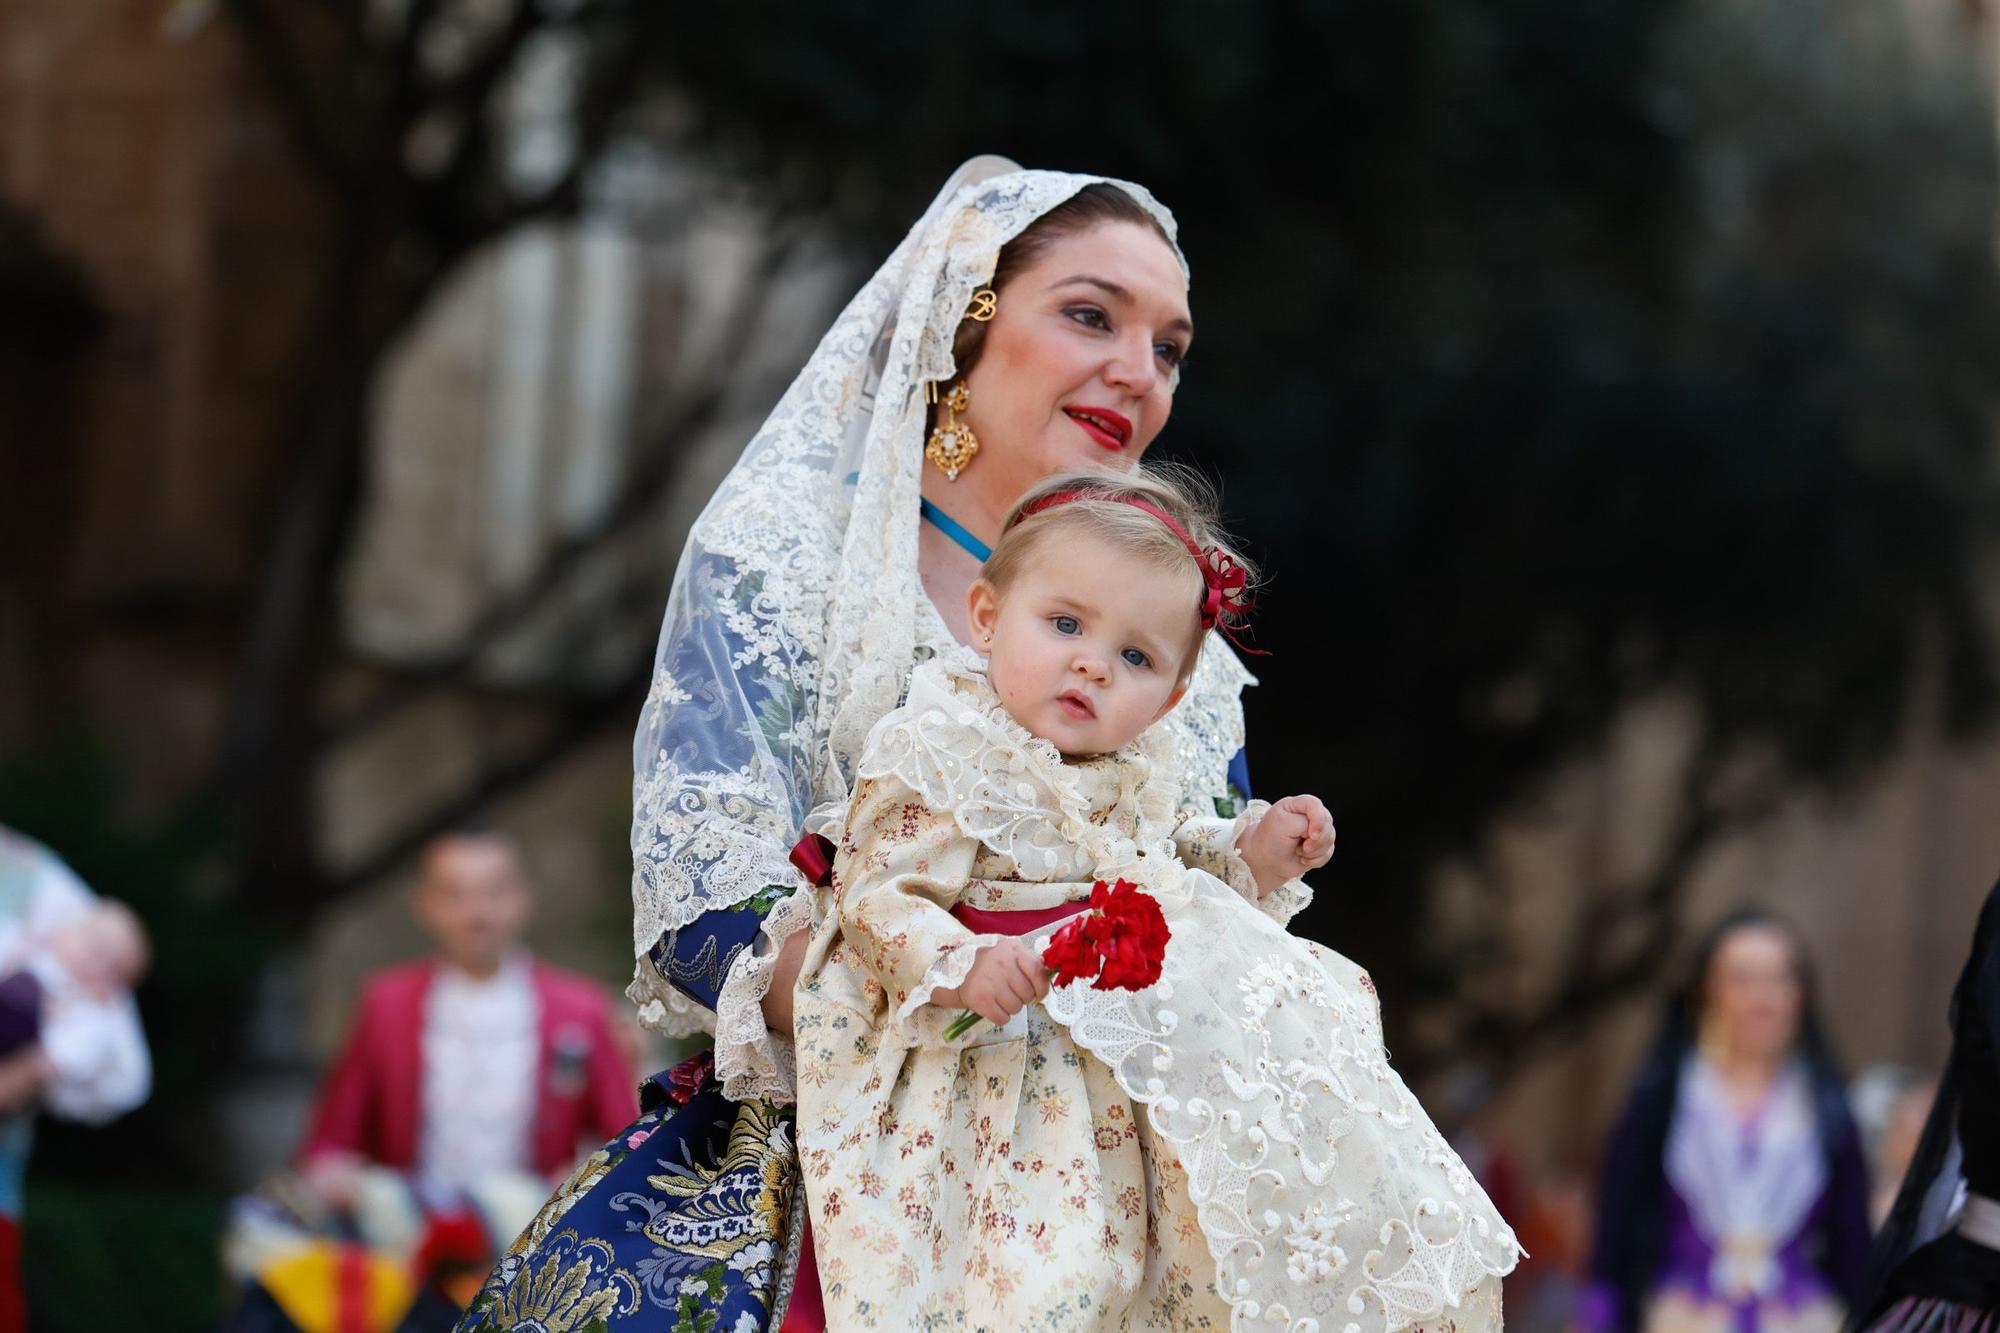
1294	836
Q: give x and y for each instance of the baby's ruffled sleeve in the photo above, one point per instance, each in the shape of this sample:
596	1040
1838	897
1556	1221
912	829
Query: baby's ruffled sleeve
1209	843
900	867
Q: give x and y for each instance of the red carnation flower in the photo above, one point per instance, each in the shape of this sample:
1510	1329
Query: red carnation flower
1072	954
1119	944
1131	936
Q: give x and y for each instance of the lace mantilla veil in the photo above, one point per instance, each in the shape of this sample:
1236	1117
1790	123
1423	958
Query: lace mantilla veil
793	621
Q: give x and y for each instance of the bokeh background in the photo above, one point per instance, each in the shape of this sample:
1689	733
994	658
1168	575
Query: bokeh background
1608	390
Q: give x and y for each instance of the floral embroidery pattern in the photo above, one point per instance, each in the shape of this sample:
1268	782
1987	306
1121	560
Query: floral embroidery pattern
683	1224
571	1288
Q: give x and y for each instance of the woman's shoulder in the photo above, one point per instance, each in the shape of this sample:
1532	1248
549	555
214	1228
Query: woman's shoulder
1214	699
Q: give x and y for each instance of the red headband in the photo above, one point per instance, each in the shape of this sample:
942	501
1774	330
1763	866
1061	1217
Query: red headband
1227	583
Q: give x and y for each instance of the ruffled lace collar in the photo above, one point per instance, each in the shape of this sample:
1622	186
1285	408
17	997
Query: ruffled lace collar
955	743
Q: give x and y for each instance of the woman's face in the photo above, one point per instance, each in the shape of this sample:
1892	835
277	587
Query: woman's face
1078	366
1754	994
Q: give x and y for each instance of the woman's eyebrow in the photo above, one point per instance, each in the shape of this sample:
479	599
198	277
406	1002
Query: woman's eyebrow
1119	293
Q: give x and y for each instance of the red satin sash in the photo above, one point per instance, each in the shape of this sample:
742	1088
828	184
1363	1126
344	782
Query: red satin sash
1024	922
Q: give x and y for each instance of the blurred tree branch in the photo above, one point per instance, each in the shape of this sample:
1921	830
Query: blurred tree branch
639	500
571	725
1625	934
359	97
293	84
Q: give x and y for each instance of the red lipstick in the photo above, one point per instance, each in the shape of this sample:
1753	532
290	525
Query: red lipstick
1108	429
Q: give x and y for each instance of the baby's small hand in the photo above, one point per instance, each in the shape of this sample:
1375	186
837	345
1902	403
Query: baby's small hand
1315	839
1294	836
1005	979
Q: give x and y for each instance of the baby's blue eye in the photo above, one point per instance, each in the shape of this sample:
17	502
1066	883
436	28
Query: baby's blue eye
1137	658
1065	624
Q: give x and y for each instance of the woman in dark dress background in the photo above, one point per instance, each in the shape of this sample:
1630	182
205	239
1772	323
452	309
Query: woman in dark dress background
1734	1191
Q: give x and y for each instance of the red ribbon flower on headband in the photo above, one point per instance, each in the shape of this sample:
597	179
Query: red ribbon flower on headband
1119	944
1228	590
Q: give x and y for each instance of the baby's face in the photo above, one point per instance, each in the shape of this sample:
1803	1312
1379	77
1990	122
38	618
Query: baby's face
1089	641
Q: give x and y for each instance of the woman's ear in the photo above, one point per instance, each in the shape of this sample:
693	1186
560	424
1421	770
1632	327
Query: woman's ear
982	609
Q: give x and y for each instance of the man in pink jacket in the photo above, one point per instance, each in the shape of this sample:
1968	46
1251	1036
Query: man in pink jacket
476	1061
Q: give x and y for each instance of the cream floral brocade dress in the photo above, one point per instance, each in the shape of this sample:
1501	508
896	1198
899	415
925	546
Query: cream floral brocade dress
1032	1176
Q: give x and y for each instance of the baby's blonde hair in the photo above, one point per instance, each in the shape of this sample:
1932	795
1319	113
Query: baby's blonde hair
1103	507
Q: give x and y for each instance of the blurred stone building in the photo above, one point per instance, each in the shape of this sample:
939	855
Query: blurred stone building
505	434
154	167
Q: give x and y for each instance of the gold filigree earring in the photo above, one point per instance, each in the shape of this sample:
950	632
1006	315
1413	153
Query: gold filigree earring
952	443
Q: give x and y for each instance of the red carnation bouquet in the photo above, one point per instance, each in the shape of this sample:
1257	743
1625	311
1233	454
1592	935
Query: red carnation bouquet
1119	944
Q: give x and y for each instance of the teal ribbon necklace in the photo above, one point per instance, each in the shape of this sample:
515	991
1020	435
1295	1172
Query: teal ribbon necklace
955	530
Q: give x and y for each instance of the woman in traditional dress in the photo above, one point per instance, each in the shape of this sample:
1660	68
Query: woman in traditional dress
1937	1261
1735	1193
1030	322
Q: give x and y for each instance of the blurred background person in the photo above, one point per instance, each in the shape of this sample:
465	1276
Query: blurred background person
1936	1267
469	1082
1734	1193
478	1059
109	1071
68	968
